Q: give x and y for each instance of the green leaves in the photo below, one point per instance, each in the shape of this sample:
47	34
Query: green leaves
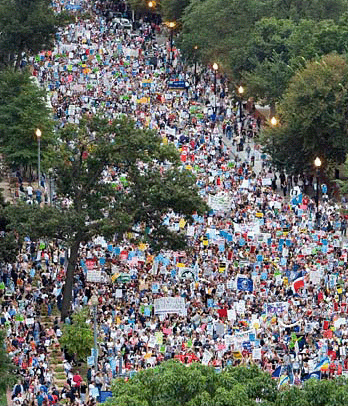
77	337
7	368
173	383
313	117
26	26
23	109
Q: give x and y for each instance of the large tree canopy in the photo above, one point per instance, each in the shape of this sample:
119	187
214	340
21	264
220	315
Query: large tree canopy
23	109
263	43
26	26
173	384
313	117
112	178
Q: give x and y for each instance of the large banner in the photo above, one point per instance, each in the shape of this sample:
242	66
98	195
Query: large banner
220	202
166	305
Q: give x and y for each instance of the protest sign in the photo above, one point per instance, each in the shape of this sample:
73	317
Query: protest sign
166	305
276	308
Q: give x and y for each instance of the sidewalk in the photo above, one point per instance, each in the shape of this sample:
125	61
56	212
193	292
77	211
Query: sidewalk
242	156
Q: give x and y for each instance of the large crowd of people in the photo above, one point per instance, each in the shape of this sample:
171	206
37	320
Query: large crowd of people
265	281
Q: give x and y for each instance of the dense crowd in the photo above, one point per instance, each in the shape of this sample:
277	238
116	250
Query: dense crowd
266	279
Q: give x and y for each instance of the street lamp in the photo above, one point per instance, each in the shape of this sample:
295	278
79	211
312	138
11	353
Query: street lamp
171	25
151	4
195	71
317	164
240	91
274	121
38	135
215	67
94	303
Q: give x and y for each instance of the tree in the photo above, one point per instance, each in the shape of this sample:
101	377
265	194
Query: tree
7	368
173	383
173	10
313	115
269	79
314	9
220	29
26	26
148	183
77	337
23	109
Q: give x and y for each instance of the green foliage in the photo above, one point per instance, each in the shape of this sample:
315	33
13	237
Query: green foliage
138	198
263	43
136	201
313	117
343	182
173	383
23	109
9	247
77	337
7	368
26	26
173	10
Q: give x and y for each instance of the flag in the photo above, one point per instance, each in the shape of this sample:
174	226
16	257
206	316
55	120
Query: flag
245	284
298	283
315	375
323	365
277	372
284	379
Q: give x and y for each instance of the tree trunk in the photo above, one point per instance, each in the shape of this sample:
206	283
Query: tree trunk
69	278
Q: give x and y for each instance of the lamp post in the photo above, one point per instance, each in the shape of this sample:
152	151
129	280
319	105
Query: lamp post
94	303
171	25
317	164
195	66
273	122
215	67
152	5
38	136
240	91
50	183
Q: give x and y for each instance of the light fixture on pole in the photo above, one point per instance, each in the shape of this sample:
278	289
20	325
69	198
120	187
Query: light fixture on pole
215	67
195	71
317	164
274	121
151	4
240	91
38	136
171	25
94	303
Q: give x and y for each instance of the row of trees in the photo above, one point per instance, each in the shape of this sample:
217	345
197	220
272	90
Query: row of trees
173	383
279	51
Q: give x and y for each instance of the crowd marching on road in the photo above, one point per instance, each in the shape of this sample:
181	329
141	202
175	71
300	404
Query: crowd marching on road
264	282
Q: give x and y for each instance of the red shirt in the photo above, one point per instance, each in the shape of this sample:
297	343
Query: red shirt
77	379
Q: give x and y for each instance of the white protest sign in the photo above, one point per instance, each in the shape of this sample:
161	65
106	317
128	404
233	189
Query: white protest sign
220	201
266	182
257	354
94	276
118	293
166	305
276	307
207	356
